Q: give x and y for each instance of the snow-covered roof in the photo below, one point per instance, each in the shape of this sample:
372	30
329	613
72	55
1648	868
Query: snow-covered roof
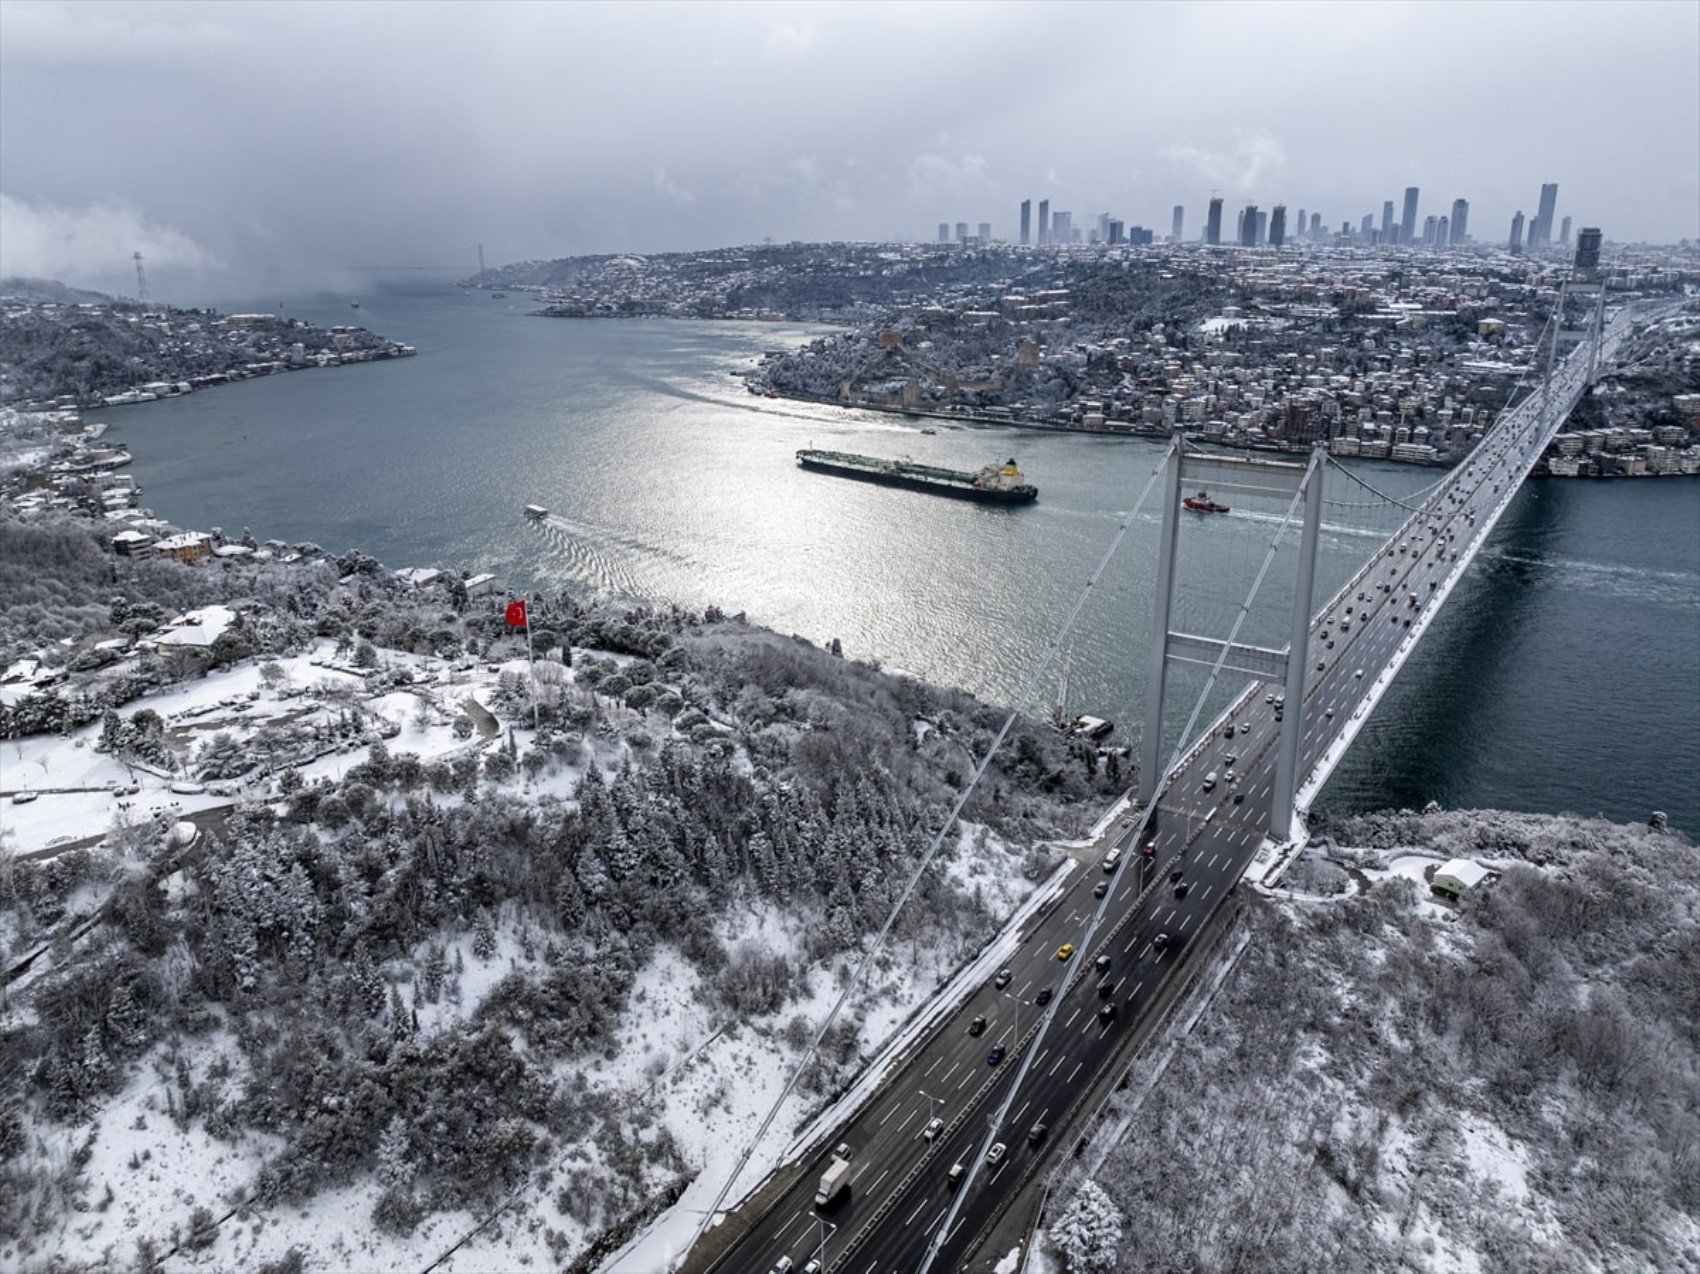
198	628
1467	872
419	576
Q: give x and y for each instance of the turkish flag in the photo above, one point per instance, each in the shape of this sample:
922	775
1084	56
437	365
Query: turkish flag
516	614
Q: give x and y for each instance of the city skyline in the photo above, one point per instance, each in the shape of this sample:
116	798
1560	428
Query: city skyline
367	141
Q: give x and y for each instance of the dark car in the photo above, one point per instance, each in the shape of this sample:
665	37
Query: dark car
1239	798
957	1172
1175	875
1102	888
1160	942
1107	1013
1036	1134
1102	964
1180	889
1002	980
1105	988
1149	849
1044	996
996	1055
977	1026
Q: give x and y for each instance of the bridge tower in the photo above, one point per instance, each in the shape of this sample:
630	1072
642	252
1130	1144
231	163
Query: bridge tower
1250	477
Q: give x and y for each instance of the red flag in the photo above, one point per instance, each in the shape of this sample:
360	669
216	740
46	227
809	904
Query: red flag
516	614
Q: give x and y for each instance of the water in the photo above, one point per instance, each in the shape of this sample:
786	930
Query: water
1563	675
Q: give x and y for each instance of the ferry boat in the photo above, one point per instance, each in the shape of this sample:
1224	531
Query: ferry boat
994	484
536	511
1202	503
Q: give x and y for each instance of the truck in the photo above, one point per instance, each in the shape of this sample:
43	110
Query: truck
835	1181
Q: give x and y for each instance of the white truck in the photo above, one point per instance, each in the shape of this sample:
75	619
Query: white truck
835	1181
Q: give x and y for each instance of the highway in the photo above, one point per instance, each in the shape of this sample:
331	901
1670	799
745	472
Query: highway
1208	826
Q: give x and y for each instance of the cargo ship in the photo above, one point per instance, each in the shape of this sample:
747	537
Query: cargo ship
994	484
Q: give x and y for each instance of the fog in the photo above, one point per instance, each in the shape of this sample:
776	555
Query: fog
242	148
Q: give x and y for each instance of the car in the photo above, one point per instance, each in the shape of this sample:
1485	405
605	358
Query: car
1002	980
934	1127
813	1267
1320	665
1160	942
1228	730
954	1177
1065	951
1359	674
1105	988
1231	760
1175	875
1102	964
1044	996
1209	783
1112	860
1230	778
1107	1013
1239	798
1036	1134
1329	713
996	1055
1148	849
1100	889
977	1026
1269	698
781	1266
995	1155
1180	889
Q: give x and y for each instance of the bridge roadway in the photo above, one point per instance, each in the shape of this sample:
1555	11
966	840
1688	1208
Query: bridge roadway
1201	838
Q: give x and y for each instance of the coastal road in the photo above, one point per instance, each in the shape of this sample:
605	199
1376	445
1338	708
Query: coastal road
1209	824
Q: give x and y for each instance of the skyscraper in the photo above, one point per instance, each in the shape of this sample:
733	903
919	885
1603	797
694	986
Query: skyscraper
1516	244
1062	227
1316	227
1044	222
1179	220
944	232
1213	225
1248	226
1260	229
1588	248
962	232
1026	222
1443	232
1113	233
1564	232
985	232
1431	230
1367	228
1408	226
1460	220
1387	222
1278	225
1299	227
1540	234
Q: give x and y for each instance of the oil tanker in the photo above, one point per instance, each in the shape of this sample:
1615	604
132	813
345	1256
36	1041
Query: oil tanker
994	484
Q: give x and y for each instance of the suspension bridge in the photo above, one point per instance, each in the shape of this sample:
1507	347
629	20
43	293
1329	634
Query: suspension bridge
977	1107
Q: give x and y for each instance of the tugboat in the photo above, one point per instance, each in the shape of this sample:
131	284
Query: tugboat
1202	503
1078	727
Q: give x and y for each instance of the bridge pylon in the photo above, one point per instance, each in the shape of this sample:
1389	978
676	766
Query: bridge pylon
1233	475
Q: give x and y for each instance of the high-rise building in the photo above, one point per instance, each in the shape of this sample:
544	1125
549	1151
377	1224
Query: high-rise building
985	232
962	232
1114	233
1460	220
1431	228
944	232
1588	248
1516	244
1248	226
1408	226
1176	223
1316	227
1366	229
1044	222
1387	221
1540	234
1260	231
1026	222
1299	227
1103	227
1213	225
1278	225
1062	227
1443	232
1564	232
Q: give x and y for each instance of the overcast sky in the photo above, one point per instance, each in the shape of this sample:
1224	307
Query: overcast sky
263	146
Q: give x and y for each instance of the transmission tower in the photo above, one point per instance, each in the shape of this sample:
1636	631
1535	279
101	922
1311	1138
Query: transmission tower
141	280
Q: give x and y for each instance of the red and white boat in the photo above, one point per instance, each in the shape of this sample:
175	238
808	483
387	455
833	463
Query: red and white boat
1202	503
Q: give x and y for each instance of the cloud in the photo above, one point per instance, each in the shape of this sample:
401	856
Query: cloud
787	42
1252	159
672	189
91	243
935	173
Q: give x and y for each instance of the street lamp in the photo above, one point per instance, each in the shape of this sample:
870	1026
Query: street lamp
825	1225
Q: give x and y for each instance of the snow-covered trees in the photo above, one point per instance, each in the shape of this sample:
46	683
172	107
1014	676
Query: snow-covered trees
1087	1233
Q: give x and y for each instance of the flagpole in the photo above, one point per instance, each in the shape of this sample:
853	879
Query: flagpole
531	664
